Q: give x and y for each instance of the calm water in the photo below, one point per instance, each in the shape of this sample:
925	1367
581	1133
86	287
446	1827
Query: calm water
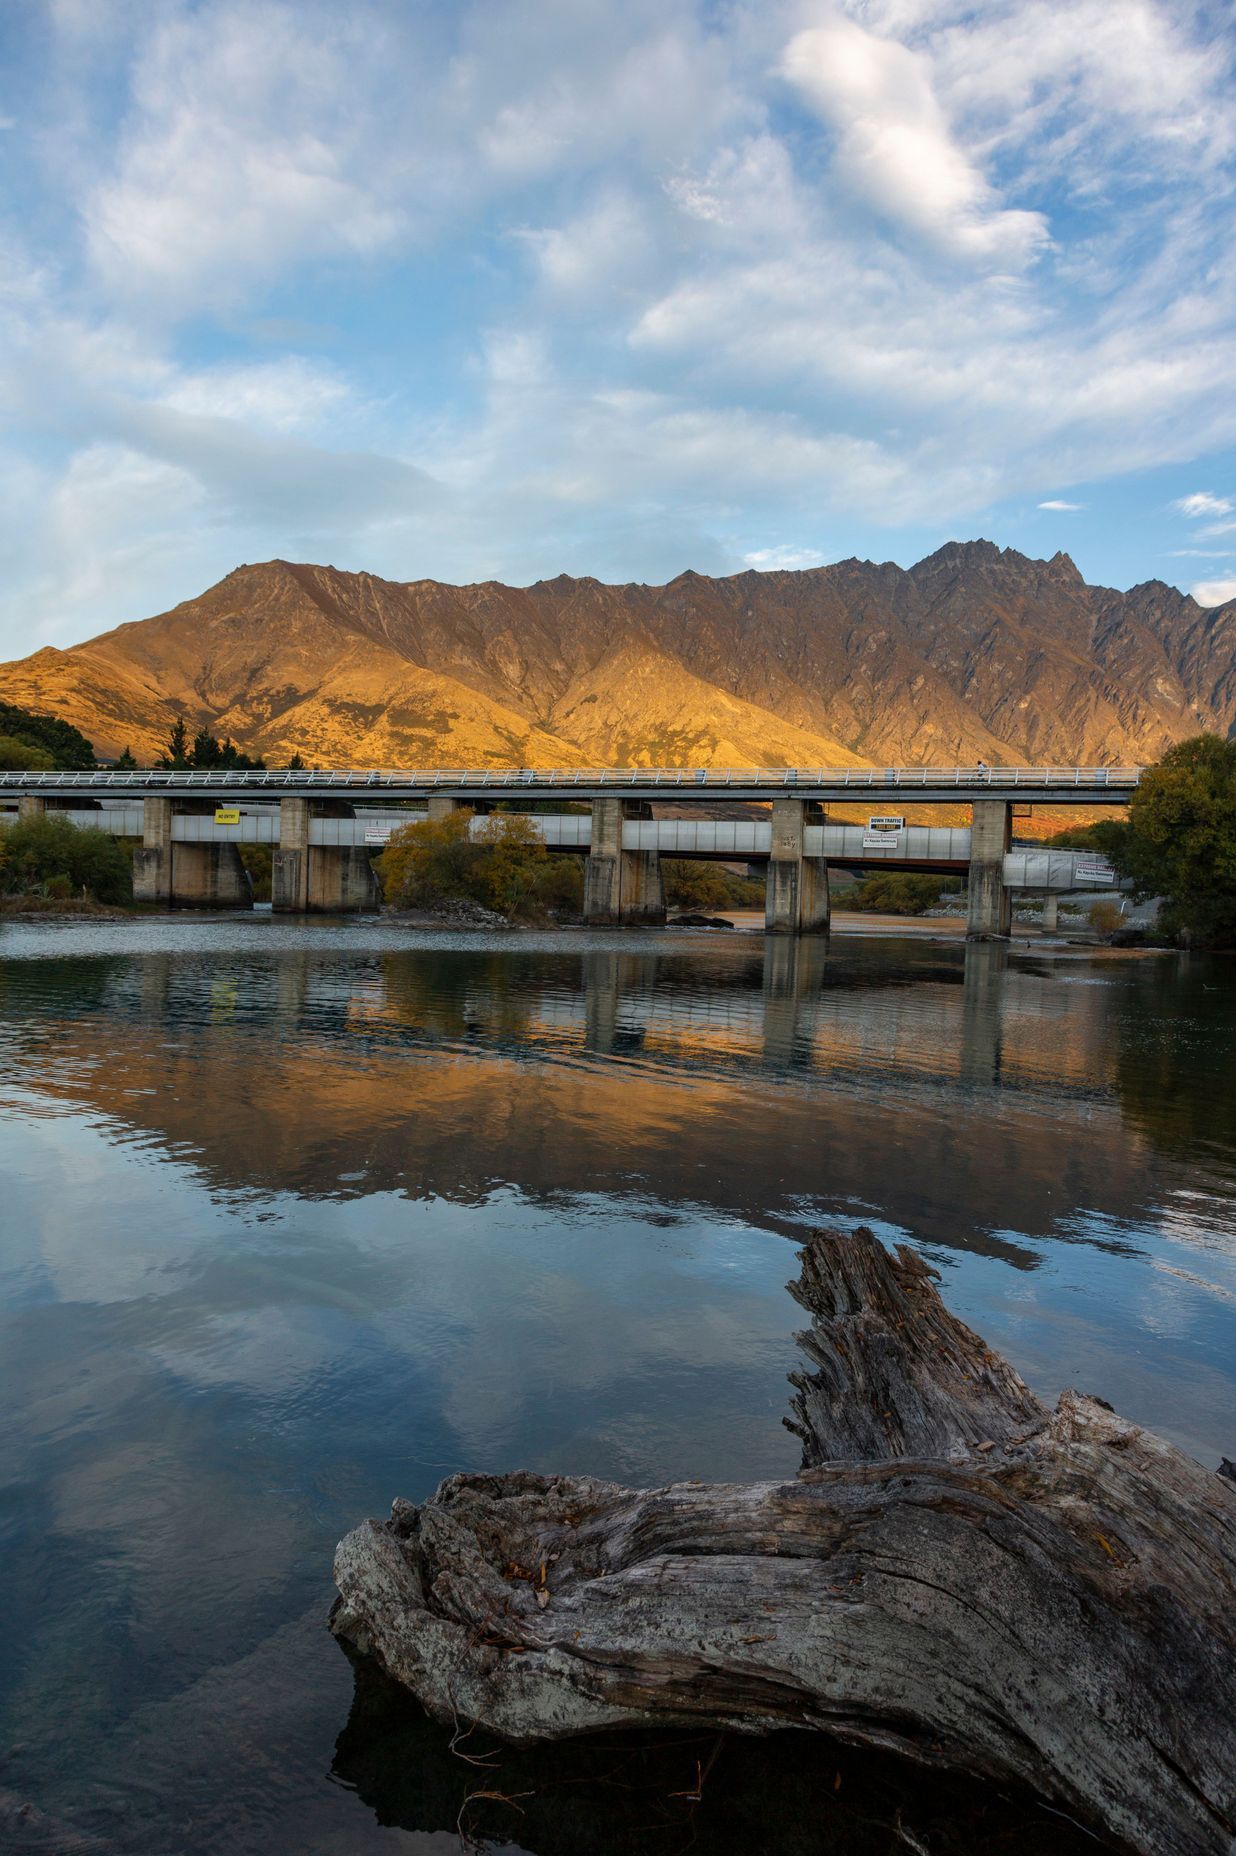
298	1219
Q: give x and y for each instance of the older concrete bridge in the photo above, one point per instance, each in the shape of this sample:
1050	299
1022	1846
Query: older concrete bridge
324	826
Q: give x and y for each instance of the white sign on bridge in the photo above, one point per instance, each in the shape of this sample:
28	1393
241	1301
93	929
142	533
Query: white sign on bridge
882	831
1093	870
378	834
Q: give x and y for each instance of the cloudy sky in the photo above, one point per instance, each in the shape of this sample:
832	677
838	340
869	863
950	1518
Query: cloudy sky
608	286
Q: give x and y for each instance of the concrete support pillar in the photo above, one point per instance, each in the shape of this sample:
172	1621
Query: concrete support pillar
152	859
209	876
289	874
991	911
341	879
796	893
1051	913
620	886
31	805
441	805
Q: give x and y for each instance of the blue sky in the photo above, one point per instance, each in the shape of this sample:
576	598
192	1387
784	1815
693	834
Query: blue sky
608	286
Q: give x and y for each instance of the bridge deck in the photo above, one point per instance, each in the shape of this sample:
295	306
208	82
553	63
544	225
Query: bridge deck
909	785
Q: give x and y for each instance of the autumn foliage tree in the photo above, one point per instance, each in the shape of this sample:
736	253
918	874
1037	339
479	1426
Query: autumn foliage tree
503	865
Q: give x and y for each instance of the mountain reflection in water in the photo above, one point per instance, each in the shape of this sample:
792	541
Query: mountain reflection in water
299	1217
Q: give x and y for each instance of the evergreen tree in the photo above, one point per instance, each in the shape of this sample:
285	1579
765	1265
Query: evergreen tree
176	754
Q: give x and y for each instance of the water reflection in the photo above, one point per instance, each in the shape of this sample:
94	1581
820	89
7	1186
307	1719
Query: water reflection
632	1795
300	1218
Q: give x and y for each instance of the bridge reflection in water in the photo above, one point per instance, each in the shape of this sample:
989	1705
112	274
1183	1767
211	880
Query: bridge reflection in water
300	1216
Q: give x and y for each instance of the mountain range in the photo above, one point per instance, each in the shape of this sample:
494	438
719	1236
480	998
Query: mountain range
974	652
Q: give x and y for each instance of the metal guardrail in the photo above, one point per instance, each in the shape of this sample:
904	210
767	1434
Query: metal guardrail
862	779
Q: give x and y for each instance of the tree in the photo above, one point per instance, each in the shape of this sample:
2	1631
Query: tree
1180	840
296	764
48	855
124	760
505	866
66	745
18	756
176	753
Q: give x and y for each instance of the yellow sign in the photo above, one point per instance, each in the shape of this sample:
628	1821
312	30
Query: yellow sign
227	815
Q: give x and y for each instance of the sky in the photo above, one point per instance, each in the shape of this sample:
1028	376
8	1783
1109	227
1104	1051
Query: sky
617	287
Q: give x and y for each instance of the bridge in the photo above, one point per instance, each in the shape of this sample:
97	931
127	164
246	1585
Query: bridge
325	825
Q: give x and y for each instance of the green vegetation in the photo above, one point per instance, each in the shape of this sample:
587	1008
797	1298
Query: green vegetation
258	860
48	857
1180	840
699	887
506	867
895	893
17	756
44	735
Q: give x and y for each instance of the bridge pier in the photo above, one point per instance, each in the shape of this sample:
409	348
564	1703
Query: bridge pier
209	876
796	892
991	904
318	879
289	867
152	859
441	805
619	886
30	805
1051	912
192	876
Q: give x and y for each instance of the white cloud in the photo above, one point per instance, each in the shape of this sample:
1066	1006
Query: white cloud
484	290
1062	508
243	151
895	146
786	556
1214	592
1202	503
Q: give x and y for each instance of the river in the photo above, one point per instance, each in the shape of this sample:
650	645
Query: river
298	1218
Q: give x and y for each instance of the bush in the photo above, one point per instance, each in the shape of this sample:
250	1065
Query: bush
704	886
1104	917
504	867
37	853
258	860
896	893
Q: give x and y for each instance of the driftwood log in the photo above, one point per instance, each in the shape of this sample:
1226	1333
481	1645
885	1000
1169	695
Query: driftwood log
1032	1597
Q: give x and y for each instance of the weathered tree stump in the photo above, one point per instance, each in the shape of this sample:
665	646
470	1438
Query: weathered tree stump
956	1574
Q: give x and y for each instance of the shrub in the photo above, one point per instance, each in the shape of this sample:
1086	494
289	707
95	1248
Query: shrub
1104	917
898	893
702	886
505	866
36	853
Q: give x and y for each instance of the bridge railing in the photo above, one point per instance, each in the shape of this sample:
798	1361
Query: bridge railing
861	779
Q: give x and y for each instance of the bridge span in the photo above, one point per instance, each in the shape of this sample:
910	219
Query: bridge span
325	826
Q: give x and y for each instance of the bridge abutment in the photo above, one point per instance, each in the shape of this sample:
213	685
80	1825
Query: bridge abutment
991	903
796	892
620	887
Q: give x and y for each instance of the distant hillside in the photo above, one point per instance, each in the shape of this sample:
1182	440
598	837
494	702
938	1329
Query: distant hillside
976	651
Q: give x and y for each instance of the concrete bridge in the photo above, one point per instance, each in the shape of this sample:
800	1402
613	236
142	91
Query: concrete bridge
324	827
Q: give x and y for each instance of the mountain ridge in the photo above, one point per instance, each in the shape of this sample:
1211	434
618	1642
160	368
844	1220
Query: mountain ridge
973	652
